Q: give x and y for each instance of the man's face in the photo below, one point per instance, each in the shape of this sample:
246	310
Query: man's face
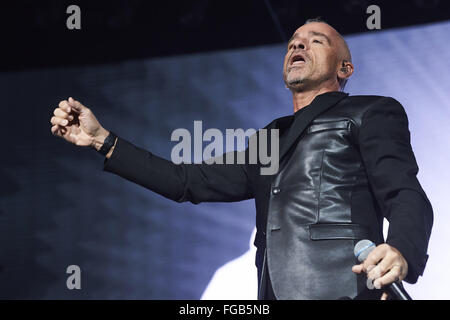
311	57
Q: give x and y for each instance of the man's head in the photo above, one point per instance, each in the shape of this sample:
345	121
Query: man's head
317	55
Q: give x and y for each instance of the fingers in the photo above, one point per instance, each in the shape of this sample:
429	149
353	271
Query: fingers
357	268
375	256
394	274
384	296
384	265
76	105
59	121
381	268
64	105
55	130
66	112
58	130
60	113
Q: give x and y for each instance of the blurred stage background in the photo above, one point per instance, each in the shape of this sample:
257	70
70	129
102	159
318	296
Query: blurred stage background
145	78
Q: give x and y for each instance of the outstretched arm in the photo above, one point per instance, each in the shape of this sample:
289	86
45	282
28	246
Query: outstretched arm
196	183
180	182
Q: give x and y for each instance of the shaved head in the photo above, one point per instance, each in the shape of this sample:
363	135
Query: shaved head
317	56
344	50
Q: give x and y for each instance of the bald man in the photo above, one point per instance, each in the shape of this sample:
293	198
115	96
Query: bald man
345	163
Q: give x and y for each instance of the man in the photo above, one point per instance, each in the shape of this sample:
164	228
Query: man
345	164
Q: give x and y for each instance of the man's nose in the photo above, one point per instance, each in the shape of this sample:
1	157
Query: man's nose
299	43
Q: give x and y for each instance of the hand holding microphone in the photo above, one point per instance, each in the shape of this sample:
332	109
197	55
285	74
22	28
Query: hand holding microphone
384	265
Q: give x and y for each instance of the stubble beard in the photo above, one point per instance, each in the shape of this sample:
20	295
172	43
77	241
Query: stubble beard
304	82
296	84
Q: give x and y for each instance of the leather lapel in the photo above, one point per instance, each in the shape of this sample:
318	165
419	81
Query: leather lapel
282	123
320	104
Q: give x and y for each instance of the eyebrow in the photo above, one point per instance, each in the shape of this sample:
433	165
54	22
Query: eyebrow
314	33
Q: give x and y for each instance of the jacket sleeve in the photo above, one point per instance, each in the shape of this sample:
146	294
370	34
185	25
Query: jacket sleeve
391	168
183	182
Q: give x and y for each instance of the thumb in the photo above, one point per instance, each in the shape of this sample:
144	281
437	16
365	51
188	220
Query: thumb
76	105
357	268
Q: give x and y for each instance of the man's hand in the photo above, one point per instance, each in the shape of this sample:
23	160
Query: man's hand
384	265
77	124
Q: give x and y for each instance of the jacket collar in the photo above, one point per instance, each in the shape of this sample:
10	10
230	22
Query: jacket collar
320	104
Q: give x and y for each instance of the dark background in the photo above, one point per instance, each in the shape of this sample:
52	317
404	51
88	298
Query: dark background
145	68
34	33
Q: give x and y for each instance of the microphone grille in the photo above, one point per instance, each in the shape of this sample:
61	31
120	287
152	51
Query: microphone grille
362	249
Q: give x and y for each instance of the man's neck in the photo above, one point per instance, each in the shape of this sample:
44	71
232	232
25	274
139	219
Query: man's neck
303	98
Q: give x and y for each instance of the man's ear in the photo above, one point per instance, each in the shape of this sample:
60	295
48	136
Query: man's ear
345	71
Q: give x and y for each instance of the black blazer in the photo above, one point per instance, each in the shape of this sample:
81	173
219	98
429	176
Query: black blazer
345	164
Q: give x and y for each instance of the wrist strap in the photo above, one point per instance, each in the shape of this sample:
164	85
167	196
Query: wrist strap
108	143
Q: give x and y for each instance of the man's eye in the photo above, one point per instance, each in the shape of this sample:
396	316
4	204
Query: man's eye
317	41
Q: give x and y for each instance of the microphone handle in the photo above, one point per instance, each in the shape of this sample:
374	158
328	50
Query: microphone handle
396	291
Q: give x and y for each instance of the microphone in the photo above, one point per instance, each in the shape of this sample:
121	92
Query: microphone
395	289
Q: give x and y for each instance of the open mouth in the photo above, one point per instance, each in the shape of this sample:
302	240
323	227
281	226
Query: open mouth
297	60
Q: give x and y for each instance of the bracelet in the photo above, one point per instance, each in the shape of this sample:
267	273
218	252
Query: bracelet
108	143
